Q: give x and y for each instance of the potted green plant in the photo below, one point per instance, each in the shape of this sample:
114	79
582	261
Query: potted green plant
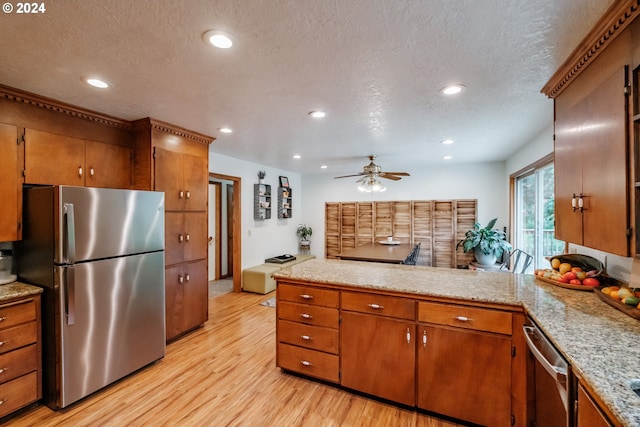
487	243
304	232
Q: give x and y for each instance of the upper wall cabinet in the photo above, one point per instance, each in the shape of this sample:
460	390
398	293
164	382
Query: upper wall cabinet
10	184
591	169
65	160
183	178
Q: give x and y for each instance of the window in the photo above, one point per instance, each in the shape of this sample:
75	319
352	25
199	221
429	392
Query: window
534	221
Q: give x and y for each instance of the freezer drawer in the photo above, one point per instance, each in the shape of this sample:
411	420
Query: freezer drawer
110	318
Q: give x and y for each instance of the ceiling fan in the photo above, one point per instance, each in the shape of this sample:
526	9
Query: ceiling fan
369	177
374	171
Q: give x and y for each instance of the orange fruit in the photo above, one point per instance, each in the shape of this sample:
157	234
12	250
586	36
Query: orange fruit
614	294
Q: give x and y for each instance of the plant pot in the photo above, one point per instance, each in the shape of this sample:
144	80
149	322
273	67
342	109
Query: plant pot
484	259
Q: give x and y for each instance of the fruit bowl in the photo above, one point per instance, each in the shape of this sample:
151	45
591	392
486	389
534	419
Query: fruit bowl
573	271
632	310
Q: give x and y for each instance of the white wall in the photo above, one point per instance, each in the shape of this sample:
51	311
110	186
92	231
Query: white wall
481	181
262	239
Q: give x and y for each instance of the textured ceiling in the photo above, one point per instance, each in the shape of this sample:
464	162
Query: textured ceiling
375	66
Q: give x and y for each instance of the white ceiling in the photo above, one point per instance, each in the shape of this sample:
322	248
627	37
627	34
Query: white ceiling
375	66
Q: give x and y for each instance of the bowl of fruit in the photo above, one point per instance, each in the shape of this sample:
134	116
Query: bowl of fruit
622	297
573	271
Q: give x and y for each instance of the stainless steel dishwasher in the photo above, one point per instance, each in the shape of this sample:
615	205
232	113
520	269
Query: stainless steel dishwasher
550	382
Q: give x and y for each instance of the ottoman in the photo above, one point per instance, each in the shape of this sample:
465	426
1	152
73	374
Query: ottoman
259	279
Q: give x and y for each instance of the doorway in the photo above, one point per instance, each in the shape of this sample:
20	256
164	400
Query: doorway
225	228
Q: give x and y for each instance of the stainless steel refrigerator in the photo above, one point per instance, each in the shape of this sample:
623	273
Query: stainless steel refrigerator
99	255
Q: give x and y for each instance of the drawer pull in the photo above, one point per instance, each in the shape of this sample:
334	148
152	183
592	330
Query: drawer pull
305	363
3	401
3	342
424	339
3	370
306	316
304	337
3	318
463	319
306	296
376	306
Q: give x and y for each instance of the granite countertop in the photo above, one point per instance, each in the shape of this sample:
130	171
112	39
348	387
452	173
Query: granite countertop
15	290
601	343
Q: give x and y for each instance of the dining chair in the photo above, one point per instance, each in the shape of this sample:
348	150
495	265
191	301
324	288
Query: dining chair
517	262
412	258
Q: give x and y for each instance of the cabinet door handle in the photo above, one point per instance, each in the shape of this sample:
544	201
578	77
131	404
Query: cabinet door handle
306	296
181	195
180	238
188	194
186	277
187	237
92	171
376	306
305	363
180	279
424	338
306	316
463	319
79	170
305	337
408	336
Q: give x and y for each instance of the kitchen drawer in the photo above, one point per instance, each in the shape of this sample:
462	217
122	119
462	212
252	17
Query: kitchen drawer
18	362
18	336
309	314
18	312
308	295
309	362
480	319
314	337
400	308
18	393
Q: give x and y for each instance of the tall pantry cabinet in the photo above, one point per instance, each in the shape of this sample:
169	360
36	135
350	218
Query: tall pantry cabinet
175	160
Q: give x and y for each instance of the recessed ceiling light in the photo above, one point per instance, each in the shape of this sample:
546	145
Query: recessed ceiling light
101	84
447	158
225	130
219	39
317	114
323	167
452	89
446	141
297	156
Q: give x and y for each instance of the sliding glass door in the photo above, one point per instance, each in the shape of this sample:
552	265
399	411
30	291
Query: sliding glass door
534	218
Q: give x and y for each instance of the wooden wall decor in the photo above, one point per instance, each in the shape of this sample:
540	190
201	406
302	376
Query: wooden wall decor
437	224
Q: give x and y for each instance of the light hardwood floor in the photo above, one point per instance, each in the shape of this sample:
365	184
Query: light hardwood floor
224	374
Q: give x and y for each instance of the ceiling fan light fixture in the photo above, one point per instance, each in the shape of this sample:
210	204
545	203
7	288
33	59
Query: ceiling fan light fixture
371	185
452	89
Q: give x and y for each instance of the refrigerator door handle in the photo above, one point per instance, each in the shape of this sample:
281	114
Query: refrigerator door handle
70	234
70	295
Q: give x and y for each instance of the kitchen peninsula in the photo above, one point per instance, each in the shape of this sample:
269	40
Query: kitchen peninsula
599	342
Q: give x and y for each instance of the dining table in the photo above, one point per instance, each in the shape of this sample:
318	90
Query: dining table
378	252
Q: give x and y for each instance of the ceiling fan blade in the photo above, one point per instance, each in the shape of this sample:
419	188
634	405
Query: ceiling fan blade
395	178
348	176
396	173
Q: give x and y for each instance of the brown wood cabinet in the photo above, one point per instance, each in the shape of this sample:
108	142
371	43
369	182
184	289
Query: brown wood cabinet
464	363
10	183
183	176
65	160
307	331
591	169
588	412
20	354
